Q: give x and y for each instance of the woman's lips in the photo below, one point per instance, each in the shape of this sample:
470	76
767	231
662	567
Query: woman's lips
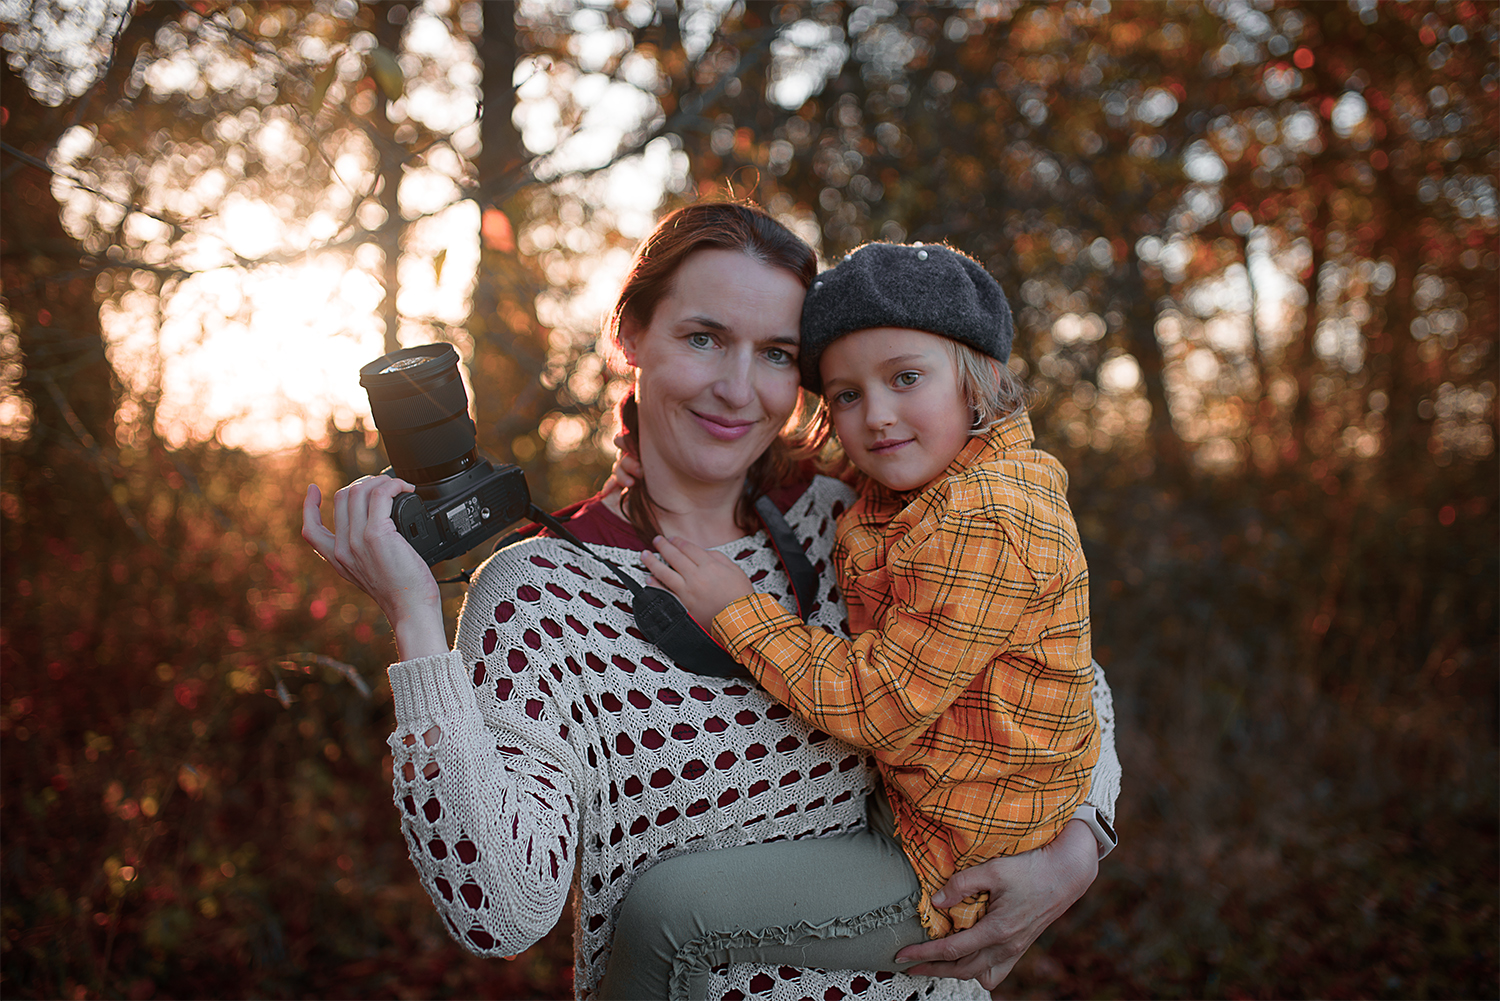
723	428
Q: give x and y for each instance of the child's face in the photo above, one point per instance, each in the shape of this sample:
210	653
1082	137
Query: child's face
896	404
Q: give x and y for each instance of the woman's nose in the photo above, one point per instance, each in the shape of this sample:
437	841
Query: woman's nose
734	385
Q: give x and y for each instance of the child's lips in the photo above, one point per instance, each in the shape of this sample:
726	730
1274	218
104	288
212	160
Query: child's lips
888	445
723	428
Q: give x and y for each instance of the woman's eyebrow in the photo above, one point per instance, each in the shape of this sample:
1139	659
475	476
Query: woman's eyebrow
705	321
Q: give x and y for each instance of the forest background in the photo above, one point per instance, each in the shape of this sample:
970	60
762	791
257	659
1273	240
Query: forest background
1252	250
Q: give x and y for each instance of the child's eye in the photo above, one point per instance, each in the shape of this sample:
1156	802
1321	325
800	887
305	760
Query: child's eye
845	398
907	378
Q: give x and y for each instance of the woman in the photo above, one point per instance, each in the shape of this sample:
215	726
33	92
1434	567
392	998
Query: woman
554	736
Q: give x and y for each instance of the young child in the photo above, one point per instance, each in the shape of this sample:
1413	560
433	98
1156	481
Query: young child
969	675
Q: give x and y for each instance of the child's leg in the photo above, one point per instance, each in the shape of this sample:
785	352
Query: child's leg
846	902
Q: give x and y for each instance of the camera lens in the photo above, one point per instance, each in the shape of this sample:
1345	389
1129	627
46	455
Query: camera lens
419	405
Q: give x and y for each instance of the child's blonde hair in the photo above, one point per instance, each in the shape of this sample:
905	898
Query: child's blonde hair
991	389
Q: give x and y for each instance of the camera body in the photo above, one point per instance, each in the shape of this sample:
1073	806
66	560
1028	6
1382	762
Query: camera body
422	412
448	518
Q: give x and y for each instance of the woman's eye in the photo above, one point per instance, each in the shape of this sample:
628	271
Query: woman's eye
779	356
700	340
907	378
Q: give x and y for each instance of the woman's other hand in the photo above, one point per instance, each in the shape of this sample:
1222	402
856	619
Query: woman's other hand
367	550
626	471
1027	893
704	581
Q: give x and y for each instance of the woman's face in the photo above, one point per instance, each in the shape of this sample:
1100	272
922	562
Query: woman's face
716	368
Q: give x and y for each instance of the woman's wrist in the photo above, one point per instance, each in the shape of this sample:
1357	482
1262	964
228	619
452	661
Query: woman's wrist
420	634
1098	824
1077	856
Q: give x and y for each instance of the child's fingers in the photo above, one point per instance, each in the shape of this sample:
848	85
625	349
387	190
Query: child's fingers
667	554
723	561
662	572
681	554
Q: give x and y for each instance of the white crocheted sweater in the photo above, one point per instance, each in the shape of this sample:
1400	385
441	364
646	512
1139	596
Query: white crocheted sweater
567	742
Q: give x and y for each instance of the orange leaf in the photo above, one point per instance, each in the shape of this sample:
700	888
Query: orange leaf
495	229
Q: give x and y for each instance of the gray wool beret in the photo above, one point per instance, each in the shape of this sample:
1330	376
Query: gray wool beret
916	286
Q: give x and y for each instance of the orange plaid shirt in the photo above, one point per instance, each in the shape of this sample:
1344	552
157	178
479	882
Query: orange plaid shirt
970	672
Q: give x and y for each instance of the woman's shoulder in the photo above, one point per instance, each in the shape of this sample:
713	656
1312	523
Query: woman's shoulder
542	590
817	496
593	522
534	555
526	567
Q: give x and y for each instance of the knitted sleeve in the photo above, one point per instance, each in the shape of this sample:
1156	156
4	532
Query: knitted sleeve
489	812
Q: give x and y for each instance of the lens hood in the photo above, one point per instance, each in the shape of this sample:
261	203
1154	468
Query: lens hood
422	412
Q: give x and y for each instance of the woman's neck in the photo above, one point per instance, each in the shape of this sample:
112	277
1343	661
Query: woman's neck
702	513
706	524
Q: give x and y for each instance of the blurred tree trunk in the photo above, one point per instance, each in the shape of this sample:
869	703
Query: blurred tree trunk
1257	423
49	298
1141	341
63	479
1406	438
509	343
1300	356
391	159
48	283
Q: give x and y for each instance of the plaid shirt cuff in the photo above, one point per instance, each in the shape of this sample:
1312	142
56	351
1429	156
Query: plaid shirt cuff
746	621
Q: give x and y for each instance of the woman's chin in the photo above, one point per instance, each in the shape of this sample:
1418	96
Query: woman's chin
721	461
718	472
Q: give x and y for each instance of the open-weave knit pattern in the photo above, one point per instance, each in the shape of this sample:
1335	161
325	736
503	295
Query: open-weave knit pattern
1104	786
567	740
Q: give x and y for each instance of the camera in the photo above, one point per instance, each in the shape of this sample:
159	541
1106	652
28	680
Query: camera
422	412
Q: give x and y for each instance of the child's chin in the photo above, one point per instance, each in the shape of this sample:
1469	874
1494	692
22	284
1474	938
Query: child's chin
898	484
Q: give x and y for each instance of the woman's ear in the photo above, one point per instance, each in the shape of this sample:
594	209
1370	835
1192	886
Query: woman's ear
630	334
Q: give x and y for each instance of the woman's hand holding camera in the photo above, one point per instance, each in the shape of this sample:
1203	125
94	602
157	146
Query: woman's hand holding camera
367	550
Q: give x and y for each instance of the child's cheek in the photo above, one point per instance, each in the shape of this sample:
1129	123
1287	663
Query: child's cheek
843	418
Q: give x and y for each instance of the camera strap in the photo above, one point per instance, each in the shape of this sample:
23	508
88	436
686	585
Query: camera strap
665	622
